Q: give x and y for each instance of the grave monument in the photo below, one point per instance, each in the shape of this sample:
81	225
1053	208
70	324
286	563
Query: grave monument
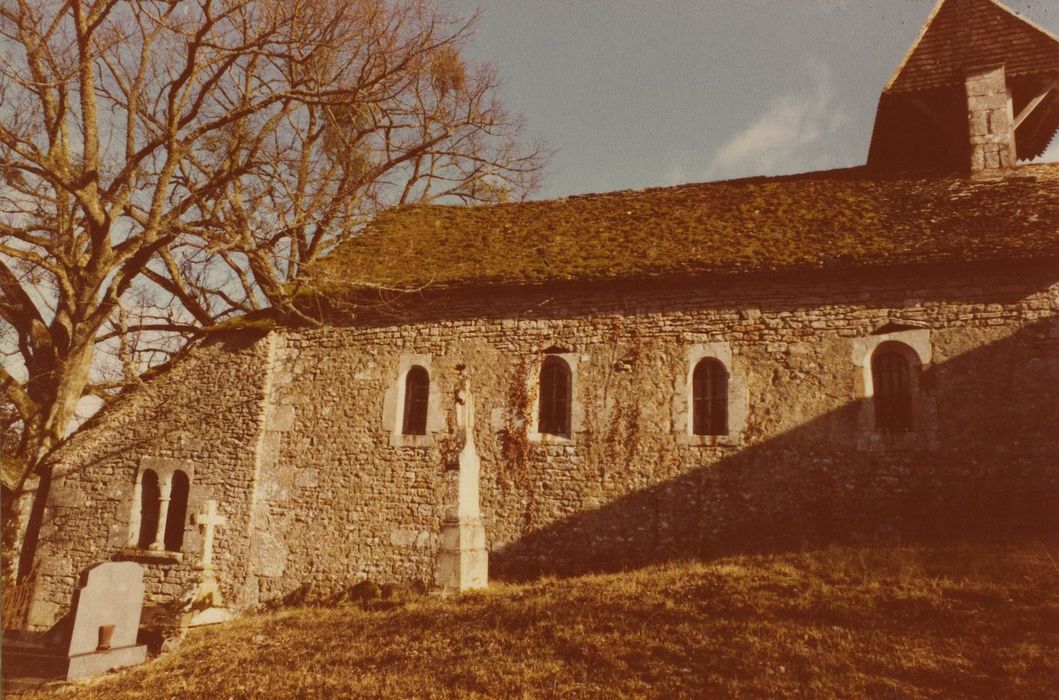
463	562
206	606
98	635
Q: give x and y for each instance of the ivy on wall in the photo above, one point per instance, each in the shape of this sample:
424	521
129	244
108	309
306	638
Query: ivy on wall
514	439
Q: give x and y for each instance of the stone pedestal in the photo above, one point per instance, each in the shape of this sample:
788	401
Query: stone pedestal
463	563
41	661
207	607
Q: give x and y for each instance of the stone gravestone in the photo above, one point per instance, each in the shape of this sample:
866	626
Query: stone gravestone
103	623
463	562
106	619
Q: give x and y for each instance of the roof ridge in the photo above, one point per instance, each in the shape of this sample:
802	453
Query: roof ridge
915	44
850	173
975	8
1043	30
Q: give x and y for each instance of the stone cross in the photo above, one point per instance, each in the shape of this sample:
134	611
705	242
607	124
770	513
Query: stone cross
209	519
467	488
463	560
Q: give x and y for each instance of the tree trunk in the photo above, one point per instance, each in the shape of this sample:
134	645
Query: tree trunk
64	384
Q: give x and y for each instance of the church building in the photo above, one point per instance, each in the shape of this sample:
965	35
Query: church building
761	364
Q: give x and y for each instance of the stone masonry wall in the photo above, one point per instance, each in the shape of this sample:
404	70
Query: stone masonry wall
297	435
204	416
632	486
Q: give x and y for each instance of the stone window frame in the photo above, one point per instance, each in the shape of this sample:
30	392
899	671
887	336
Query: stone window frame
393	404
916	346
577	409
683	397
164	469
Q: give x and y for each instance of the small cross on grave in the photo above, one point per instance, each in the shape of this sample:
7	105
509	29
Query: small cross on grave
208	520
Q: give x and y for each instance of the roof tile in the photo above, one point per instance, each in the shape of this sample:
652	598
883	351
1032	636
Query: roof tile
966	34
828	220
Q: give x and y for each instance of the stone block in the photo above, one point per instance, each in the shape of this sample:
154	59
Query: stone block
979	123
89	665
402	538
986	103
271	556
281	418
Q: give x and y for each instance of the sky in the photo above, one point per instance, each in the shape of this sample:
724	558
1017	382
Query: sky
645	93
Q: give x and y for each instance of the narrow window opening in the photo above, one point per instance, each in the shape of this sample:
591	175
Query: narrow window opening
178	511
892	382
150	503
416	398
555	397
709	387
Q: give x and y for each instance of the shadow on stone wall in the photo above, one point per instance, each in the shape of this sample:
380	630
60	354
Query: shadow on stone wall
994	476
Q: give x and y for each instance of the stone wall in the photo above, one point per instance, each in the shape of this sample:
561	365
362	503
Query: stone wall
203	416
336	497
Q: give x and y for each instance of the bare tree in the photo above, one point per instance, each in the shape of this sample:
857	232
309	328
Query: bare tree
169	164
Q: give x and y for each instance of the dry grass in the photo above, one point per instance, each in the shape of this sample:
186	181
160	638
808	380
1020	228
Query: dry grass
959	621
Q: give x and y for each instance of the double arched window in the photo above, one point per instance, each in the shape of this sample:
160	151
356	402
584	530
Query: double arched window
416	400
892	382
709	398
556	384
163	510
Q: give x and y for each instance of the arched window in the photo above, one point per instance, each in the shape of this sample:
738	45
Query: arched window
709	394
555	400
416	397
178	511
891	378
150	502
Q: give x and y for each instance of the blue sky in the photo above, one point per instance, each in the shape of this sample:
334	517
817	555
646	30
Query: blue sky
638	94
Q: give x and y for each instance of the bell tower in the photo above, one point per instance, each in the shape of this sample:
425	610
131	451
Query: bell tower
977	92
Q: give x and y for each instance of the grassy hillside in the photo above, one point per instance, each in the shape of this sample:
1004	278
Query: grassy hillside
959	621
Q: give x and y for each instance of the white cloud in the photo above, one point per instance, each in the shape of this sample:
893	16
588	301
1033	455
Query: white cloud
796	133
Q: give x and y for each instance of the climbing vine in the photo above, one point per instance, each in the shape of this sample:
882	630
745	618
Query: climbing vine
450	444
514	441
622	436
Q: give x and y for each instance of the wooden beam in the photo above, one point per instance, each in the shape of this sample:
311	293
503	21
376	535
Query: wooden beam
1035	103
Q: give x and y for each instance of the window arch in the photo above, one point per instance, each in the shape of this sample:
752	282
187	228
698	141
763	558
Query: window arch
416	400
709	398
150	505
892	387
177	515
555	397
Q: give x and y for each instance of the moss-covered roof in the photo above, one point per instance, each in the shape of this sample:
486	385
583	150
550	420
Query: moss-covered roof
836	219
